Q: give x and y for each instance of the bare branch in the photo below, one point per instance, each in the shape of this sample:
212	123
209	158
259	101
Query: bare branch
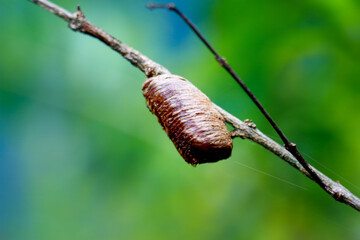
78	22
245	130
249	131
55	9
288	145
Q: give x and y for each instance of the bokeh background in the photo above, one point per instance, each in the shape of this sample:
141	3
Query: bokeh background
81	157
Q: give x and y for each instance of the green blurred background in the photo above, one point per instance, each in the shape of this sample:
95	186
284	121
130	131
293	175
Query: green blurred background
81	157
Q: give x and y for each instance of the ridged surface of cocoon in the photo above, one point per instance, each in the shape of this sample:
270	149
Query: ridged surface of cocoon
189	118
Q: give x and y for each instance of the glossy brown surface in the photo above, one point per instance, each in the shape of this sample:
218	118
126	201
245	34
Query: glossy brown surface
189	118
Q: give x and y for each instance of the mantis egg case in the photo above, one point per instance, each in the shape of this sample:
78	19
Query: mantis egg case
189	118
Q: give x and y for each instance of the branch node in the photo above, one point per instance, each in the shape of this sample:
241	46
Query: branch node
221	61
238	133
338	196
77	22
290	147
250	123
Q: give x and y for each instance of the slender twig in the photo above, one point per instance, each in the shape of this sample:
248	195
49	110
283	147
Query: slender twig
291	147
249	131
78	22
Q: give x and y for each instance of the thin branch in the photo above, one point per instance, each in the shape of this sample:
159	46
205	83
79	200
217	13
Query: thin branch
288	145
245	130
79	23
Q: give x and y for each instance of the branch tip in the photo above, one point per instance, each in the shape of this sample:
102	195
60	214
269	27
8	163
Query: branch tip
170	6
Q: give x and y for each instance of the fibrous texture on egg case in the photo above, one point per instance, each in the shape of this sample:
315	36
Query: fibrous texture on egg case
189	118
